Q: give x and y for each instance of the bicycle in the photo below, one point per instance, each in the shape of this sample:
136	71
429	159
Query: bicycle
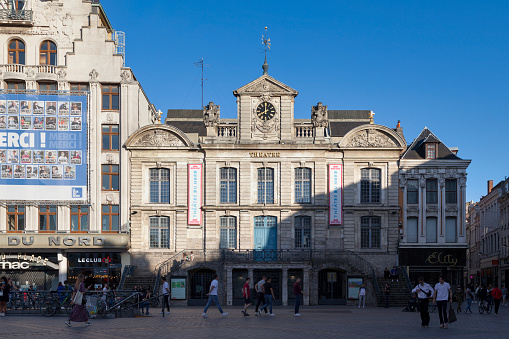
55	303
486	308
110	303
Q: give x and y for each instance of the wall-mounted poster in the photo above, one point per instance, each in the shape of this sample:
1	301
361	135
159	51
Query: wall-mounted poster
178	288
194	194
335	194
354	284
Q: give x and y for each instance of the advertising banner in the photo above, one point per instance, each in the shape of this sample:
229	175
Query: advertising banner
43	148
335	194
178	288
354	284
194	190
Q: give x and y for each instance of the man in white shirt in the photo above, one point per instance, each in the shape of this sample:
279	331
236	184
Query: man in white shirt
424	291
213	298
362	296
166	295
442	294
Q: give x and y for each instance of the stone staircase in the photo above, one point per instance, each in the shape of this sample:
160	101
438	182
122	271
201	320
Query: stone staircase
139	280
400	295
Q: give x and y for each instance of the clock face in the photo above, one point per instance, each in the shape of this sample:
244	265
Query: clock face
265	111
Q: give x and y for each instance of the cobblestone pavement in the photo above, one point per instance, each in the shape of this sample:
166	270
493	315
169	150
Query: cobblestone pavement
315	322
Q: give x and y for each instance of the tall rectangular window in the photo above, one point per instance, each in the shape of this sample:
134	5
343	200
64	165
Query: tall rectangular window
265	185
303	185
431	151
431	191
79	218
370	232
48	218
412	230
159	232
228	232
110	138
15	218
412	191
450	229
110	95
159	185
302	232
370	185
110	218
431	229
228	192
451	191
110	180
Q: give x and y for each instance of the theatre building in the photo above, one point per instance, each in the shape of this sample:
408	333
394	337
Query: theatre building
265	193
433	233
67	104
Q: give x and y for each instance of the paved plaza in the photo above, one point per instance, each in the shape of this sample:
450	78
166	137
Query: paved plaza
315	322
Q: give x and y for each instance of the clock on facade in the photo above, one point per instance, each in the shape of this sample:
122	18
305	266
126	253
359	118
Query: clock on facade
265	111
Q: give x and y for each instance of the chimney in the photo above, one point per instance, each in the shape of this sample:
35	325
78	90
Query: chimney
490	186
454	150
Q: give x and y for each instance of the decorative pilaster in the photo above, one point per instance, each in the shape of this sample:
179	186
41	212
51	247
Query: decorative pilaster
284	289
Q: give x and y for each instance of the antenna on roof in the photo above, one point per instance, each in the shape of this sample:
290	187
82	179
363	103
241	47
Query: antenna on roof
201	65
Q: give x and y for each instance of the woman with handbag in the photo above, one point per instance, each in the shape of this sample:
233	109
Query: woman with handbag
79	311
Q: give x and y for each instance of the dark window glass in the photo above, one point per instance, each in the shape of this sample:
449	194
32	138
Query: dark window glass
228	232
48	218
451	191
48	53
302	232
303	185
110	176
110	218
265	185
412	191
110	138
228	192
79	218
110	97
160	185
15	218
431	191
370	185
370	232
16	52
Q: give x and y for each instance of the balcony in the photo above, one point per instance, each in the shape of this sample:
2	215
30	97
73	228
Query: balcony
303	131
47	72
16	17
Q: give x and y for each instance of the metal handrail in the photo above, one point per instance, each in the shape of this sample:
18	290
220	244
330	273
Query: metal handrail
402	270
128	271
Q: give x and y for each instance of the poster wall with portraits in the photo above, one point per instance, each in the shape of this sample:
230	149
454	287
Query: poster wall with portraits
43	148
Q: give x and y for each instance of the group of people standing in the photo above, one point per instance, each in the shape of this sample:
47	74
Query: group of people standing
264	296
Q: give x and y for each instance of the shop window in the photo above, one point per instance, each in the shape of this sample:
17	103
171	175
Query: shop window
412	190
431	229
15	85
451	191
431	191
412	230
110	97
228	232
16	52
48	53
15	218
302	232
79	88
303	185
110	218
47	86
265	185
228	191
159	232
110	176
370	185
450	229
370	232
160	185
79	218
48	218
110	140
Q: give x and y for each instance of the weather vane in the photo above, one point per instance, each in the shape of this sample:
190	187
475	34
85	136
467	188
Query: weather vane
266	42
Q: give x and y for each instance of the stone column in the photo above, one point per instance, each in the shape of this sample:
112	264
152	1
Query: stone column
305	286
62	266
441	209
284	289
229	286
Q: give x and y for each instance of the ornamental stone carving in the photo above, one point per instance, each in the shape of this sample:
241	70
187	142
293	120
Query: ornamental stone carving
211	115
30	72
61	74
319	115
370	138
93	75
126	77
158	138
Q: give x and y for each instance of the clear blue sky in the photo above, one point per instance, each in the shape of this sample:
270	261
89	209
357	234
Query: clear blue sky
440	64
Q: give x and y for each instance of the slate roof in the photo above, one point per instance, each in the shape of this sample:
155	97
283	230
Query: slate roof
185	113
189	126
417	151
341	128
349	114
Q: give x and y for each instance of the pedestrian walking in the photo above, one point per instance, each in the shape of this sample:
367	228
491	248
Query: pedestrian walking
297	292
259	293
459	298
442	294
476	294
269	297
166	296
246	293
362	296
424	291
5	288
214	285
387	291
496	293
79	311
504	295
468	296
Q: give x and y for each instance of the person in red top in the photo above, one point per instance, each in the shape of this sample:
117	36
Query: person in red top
496	293
246	293
297	292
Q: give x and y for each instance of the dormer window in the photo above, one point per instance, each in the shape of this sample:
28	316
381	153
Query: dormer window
431	151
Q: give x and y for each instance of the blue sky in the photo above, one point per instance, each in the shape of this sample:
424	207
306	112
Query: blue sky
440	64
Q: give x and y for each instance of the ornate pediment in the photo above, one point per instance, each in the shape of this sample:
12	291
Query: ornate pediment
265	84
432	209
370	138
452	208
412	209
158	136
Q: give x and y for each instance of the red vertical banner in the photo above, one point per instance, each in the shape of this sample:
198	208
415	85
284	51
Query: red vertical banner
335	194
194	194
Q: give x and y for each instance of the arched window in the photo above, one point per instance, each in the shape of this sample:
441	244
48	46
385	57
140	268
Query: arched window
370	185
160	185
48	53
17	52
228	232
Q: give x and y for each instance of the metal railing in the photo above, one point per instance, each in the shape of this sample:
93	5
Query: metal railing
128	271
402	270
12	14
